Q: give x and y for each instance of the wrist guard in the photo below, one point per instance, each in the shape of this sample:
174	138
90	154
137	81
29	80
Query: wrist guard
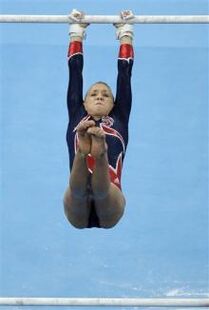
124	30
76	30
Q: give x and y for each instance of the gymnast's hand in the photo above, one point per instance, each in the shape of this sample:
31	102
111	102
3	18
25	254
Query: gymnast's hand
98	142
77	30
84	139
125	30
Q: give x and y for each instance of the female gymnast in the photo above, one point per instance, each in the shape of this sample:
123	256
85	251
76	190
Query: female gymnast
97	135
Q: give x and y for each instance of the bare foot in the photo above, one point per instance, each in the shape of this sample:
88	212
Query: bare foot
98	142
84	138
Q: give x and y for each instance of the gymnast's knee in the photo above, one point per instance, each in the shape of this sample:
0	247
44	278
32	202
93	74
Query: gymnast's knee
72	194
100	195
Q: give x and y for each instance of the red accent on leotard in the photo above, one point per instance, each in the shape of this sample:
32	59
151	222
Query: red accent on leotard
75	47
115	174
126	51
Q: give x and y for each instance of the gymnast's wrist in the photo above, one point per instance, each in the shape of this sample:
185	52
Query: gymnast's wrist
77	32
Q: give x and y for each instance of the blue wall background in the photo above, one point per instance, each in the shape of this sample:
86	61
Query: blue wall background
160	248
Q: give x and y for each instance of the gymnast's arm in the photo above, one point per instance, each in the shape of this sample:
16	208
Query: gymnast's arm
75	64
123	99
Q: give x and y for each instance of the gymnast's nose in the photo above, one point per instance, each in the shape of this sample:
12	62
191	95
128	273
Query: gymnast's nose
100	97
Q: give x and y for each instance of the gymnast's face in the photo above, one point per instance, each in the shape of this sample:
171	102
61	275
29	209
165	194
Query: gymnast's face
99	100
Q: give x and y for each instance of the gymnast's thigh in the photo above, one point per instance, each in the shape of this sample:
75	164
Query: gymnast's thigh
76	209
111	208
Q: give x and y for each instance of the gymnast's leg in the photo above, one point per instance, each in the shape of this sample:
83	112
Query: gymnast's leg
75	199
109	200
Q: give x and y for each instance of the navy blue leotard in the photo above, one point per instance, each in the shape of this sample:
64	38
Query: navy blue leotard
115	125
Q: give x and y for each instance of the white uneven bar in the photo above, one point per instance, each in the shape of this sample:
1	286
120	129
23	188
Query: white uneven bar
108	19
117	302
